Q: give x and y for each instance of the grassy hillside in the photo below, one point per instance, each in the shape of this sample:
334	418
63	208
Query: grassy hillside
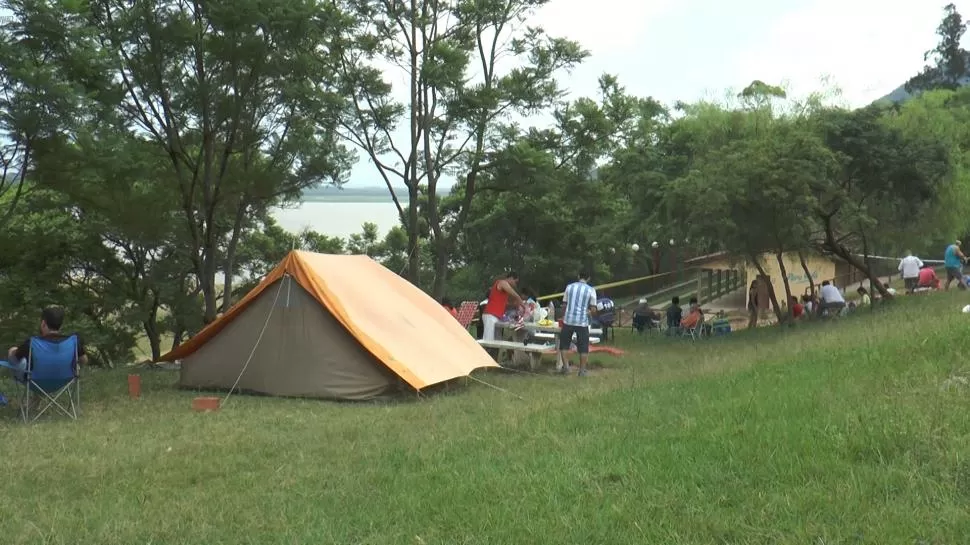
847	432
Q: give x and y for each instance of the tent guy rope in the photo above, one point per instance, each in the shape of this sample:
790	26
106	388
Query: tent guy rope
252	353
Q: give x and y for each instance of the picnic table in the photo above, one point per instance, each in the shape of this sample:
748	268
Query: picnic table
549	333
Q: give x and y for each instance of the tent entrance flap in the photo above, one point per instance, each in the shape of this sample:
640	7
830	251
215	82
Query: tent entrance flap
286	280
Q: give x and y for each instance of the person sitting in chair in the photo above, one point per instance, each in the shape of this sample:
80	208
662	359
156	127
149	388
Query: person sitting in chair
695	315
51	320
644	316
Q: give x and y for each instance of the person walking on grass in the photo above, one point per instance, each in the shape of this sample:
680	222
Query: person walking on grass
909	267
579	300
953	260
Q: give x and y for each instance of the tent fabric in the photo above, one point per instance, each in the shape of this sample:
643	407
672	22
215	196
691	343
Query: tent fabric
303	352
364	307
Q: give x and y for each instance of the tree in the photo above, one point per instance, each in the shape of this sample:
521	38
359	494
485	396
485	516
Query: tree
237	96
112	179
750	184
887	180
949	68
451	53
43	85
46	260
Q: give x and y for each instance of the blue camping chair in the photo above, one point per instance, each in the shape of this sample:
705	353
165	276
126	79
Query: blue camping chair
51	373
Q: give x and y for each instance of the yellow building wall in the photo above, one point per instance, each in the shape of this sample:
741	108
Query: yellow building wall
821	268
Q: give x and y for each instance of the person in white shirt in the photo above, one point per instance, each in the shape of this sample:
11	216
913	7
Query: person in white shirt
909	267
830	298
889	289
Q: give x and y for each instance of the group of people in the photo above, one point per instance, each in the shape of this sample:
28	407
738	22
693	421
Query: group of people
919	276
580	305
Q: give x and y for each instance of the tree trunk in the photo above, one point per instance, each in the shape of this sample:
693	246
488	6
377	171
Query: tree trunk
178	335
771	287
832	246
414	238
154	339
808	274
440	270
784	278
230	262
151	330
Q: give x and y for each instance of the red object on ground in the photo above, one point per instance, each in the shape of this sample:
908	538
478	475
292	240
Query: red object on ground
560	324
205	404
134	386
595	349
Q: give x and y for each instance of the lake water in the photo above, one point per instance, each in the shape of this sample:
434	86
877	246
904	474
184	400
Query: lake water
338	219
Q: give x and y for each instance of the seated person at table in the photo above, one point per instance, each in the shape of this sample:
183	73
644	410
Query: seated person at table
51	320
674	315
644	316
928	279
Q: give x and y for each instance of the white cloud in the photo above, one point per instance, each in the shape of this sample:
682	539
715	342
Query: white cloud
867	47
602	26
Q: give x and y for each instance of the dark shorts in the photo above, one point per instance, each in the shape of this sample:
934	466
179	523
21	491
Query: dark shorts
954	273
582	338
911	283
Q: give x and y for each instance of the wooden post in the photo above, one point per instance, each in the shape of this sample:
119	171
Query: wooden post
700	286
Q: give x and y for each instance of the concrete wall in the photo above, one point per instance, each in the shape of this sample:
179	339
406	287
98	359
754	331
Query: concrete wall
820	268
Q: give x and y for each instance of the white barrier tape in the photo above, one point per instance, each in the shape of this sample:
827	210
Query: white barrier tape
930	261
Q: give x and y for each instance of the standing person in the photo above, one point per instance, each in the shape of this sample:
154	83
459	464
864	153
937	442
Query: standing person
953	260
501	294
753	305
909	267
579	300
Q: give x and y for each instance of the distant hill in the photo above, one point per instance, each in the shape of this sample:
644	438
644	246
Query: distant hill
900	94
351	194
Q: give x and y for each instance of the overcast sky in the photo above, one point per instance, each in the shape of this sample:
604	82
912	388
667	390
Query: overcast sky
691	49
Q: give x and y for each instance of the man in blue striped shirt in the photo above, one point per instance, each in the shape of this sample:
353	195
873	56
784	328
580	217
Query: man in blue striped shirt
580	300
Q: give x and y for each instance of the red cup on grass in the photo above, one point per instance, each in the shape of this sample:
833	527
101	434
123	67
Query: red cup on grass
134	386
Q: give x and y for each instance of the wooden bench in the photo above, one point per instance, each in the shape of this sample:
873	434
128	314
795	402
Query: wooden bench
552	337
535	351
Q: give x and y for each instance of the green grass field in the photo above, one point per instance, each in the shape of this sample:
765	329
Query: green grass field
854	431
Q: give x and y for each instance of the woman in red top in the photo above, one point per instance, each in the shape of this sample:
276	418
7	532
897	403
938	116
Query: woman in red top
500	296
797	309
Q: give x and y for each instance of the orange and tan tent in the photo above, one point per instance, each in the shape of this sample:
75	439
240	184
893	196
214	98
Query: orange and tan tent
330	326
